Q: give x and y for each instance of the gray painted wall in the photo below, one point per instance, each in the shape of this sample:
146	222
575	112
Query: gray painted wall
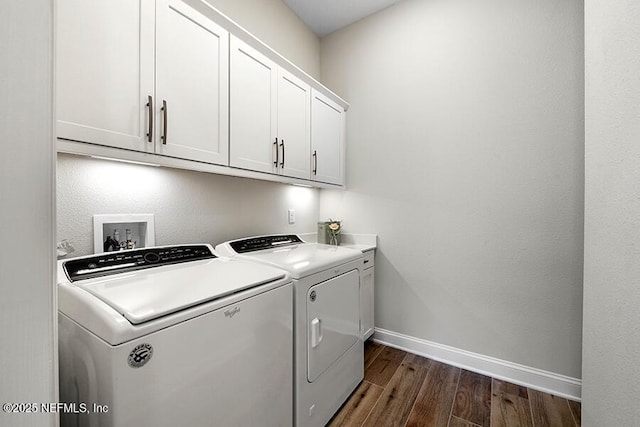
611	345
28	350
465	156
188	206
192	206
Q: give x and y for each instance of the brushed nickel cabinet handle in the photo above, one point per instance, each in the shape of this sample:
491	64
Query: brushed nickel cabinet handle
275	145
282	145
150	105
315	162
164	122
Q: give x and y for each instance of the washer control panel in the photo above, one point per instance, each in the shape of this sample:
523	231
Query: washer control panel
119	262
264	242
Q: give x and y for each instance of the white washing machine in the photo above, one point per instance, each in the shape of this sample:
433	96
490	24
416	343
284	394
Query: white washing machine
174	336
329	351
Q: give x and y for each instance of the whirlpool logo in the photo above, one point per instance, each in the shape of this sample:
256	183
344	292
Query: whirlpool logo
232	312
140	355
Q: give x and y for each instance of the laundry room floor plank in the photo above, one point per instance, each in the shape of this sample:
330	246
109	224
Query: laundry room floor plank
473	398
435	401
358	407
500	386
508	406
549	410
380	371
464	393
576	411
458	422
371	350
395	403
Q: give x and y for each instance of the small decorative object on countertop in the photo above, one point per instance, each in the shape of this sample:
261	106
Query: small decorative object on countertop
64	248
334	231
329	232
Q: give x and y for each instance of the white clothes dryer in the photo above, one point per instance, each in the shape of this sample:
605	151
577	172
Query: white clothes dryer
329	351
174	336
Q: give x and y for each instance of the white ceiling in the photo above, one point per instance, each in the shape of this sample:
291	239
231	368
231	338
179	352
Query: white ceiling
327	16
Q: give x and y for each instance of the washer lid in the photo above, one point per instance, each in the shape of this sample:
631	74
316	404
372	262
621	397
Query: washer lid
301	259
144	295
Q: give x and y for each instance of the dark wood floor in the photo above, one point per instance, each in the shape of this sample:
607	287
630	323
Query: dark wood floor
402	389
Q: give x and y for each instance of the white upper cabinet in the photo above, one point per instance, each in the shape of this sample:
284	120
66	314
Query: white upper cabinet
176	83
327	139
253	106
192	85
104	74
269	115
294	132
106	91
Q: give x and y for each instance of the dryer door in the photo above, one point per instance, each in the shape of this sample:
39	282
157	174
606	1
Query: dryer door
333	316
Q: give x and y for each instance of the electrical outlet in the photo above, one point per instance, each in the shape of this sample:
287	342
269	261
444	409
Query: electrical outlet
292	216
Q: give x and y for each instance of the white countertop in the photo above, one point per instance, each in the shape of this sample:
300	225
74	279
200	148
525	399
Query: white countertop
361	242
363	248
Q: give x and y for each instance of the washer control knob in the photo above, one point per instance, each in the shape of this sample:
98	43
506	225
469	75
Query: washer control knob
151	257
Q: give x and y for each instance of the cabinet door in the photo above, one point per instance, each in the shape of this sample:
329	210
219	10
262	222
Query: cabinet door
192	85
104	71
327	139
294	136
253	105
366	303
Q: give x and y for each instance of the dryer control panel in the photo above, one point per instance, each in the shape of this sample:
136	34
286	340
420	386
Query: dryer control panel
264	242
120	262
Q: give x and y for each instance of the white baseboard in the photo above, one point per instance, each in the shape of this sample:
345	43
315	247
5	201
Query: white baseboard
549	382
